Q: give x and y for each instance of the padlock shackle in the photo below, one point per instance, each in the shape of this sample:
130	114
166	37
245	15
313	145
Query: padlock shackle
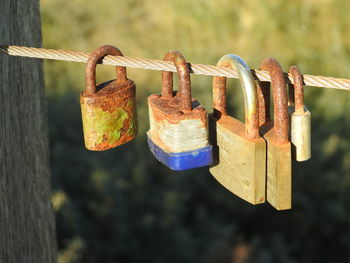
280	99
297	87
184	80
263	92
249	92
90	70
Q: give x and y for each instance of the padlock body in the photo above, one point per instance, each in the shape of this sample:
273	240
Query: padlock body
178	139
279	171
109	116
182	160
301	133
239	162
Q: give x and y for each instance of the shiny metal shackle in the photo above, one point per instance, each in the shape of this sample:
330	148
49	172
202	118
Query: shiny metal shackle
249	92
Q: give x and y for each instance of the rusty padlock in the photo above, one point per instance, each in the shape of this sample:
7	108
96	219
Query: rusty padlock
300	118
178	135
108	110
239	151
279	169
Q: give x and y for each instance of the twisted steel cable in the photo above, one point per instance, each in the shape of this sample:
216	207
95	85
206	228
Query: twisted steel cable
153	64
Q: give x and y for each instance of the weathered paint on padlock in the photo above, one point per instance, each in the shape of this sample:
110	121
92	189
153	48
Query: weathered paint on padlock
300	118
178	135
108	110
279	169
239	151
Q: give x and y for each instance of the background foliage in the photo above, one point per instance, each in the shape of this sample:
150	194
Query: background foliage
123	206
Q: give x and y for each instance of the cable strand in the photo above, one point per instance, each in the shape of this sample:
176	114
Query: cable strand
152	64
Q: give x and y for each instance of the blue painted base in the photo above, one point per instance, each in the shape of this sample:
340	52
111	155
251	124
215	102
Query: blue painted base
182	161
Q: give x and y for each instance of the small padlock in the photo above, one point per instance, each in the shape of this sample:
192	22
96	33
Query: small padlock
108	110
239	151
279	169
300	116
178	135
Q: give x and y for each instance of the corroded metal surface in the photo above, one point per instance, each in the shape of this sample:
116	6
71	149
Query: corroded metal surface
280	99
178	123
263	92
108	110
90	70
219	97
178	105
298	95
165	109
184	80
174	130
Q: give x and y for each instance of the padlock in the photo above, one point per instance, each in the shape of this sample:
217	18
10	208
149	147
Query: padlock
108	110
279	169
300	118
178	135
239	150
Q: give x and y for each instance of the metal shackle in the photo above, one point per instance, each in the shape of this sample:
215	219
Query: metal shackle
280	99
297	97
249	92
184	80
263	92
90	70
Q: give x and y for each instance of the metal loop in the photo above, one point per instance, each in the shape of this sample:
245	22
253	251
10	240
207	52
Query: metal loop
90	70
298	89
280	99
249	92
263	92
184	80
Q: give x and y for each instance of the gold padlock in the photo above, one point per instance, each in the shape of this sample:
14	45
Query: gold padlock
300	117
240	152
279	168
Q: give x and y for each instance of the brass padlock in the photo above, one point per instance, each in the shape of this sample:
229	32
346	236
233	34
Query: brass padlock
239	151
178	135
108	110
300	118
279	169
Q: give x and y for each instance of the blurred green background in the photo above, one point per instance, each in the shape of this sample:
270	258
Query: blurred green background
123	206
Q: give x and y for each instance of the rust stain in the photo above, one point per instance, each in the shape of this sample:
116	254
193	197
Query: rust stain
109	109
184	80
169	109
263	91
110	95
175	106
280	99
298	94
90	70
219	97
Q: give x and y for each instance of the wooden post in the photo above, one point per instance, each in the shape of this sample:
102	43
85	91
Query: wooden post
27	229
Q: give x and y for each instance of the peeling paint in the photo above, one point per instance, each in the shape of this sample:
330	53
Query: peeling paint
104	127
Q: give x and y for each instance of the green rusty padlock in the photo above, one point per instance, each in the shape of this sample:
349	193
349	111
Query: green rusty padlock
108	110
300	118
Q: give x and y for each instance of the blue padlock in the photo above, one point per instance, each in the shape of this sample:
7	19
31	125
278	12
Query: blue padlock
178	135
